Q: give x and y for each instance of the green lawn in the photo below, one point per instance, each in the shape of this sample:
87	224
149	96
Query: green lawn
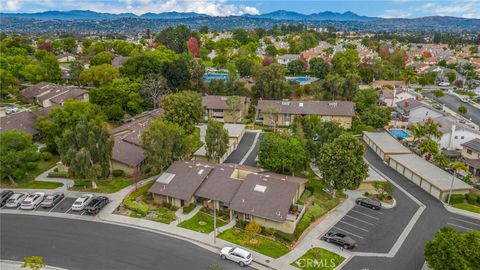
201	222
103	186
318	258
264	245
467	207
165	215
29	180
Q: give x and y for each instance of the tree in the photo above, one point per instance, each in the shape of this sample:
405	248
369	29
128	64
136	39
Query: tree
177	74
184	108
17	155
452	76
99	75
76	68
270	83
86	149
462	109
70	45
193	46
154	86
198	70
175	38
8	84
240	35
345	62
319	68
441	160
341	163
428	146
102	58
271	51
365	98
33	263
164	142
245	65
295	66
216	140
234	105
333	86
140	64
282	154
383	188
376	116
252	229
452	250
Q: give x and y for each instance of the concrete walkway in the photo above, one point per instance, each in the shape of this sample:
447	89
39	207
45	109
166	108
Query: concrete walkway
14	265
67	183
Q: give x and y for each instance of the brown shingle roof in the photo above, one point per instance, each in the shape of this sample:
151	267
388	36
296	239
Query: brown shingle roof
37	89
127	153
218	102
219	185
22	121
73	93
315	107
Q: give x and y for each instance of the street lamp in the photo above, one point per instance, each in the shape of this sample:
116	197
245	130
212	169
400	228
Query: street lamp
214	221
451	186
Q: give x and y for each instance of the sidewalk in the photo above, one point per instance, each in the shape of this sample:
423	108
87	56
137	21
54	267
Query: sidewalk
67	183
13	265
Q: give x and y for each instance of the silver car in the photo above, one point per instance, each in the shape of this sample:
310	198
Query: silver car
32	201
15	200
238	255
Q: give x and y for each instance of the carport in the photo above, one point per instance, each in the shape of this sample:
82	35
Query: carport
429	177
384	144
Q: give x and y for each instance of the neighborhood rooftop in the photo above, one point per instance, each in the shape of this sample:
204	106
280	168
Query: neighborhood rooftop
473	144
386	142
307	107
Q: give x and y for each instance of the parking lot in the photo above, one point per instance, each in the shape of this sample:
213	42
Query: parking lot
64	206
463	224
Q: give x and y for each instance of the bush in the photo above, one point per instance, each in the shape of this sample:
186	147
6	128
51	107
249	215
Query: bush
472	199
269	231
241	224
456	198
188	208
46	156
57	174
285	237
389	197
366	194
303	199
138	207
31	165
36	156
43	149
118	173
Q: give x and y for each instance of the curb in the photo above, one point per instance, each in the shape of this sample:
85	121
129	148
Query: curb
389	206
461	212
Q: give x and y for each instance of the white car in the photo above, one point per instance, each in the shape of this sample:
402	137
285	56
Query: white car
82	202
15	200
32	201
465	99
238	255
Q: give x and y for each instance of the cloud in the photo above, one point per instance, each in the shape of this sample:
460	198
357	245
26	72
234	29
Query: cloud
395	13
10	5
467	9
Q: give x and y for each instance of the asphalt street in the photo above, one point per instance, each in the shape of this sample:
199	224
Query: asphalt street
242	149
452	102
434	217
77	244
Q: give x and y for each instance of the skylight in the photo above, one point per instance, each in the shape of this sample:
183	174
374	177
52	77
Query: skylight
260	188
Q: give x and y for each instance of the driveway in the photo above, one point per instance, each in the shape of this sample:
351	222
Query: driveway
452	102
246	150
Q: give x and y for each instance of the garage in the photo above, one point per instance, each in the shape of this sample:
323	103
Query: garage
384	144
427	176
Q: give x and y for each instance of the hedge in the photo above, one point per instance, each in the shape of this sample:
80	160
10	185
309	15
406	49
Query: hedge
472	199
58	174
118	173
456	198
138	207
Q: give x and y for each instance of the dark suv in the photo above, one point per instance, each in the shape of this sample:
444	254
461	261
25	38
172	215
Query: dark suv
4	197
369	203
339	239
96	205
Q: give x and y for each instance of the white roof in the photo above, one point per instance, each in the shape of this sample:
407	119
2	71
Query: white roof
431	173
387	143
165	178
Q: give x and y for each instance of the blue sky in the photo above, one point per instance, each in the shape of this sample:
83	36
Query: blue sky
392	8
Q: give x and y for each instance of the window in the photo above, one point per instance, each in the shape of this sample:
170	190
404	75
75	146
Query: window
463	137
456	137
469	151
247	217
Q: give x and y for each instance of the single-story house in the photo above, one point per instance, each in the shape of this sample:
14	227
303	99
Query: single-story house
384	144
48	94
471	156
24	121
246	192
426	175
454	133
127	153
217	107
287	58
380	84
414	111
235	135
390	97
66	57
283	112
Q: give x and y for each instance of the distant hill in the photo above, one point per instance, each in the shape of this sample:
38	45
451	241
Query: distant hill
321	16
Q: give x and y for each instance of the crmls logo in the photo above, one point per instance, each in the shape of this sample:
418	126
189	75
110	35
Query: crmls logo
314	263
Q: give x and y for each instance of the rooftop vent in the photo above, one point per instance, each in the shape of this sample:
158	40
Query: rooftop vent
300	104
223	98
333	104
260	188
200	171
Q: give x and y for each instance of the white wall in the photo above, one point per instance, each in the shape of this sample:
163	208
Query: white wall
421	114
462	136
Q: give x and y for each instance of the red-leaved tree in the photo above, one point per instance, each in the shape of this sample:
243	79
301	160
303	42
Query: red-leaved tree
193	46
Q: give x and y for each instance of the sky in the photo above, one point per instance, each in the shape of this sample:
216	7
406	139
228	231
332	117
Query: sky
377	8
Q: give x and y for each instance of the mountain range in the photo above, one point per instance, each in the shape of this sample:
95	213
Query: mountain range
276	15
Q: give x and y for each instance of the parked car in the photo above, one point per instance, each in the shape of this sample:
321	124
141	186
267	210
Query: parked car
4	197
52	200
374	204
81	202
15	199
32	201
238	255
339	239
96	205
465	99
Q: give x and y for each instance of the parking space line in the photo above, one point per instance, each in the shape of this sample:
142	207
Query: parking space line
371	224
369	210
472	223
364	214
358	236
360	228
456	225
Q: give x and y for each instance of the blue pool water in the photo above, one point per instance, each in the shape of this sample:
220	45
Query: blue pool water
207	77
301	80
399	133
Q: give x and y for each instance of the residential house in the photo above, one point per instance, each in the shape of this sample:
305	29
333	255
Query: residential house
471	156
118	61
49	94
380	84
284	112
390	97
454	133
216	107
66	57
24	121
245	192
127	153
414	111
235	135
287	58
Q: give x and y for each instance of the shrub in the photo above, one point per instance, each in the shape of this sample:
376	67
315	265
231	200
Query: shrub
253	228
241	224
43	149
118	173
366	194
472	199
456	198
188	208
31	165
303	199
389	197
138	207
285	237
269	231
36	156
57	174
46	156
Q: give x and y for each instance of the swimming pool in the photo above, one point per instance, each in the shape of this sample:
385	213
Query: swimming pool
301	80
399	133
207	77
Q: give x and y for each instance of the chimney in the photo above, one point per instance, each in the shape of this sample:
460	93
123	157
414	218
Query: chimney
452	135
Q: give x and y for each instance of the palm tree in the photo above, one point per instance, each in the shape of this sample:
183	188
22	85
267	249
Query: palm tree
428	146
418	131
457	166
433	129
